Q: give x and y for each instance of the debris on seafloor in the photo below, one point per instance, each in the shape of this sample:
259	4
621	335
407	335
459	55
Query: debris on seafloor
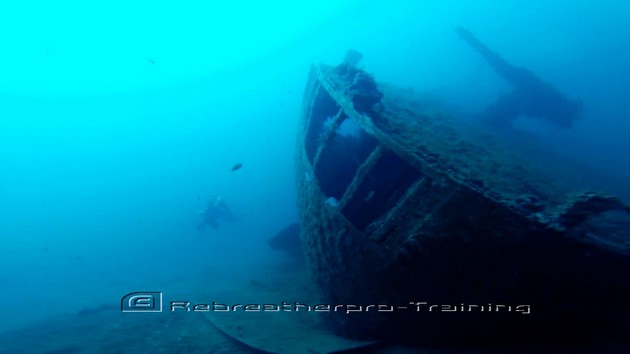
287	240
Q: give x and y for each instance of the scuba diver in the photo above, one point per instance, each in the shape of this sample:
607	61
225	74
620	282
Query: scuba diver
216	209
531	96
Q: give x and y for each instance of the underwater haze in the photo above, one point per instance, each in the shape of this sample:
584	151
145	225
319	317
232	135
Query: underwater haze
120	120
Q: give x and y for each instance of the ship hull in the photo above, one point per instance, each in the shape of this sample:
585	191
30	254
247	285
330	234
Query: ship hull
406	251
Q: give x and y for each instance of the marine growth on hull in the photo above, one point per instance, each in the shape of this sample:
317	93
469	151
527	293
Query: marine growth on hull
406	206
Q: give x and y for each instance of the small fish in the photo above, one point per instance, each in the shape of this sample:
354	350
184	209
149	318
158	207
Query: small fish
237	166
151	61
369	196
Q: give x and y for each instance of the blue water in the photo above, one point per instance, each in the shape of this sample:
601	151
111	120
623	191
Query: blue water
118	121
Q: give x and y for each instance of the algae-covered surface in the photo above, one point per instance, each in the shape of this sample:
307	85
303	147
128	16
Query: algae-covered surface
477	158
443	145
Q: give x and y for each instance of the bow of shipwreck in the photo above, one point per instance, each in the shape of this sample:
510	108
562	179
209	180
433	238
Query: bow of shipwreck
455	233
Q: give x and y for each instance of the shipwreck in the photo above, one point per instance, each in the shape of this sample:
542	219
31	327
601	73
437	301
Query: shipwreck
443	234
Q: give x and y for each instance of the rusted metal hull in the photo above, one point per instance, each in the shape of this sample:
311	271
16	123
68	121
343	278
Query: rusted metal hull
386	222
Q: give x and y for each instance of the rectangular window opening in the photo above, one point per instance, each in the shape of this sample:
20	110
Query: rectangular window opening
380	190
344	153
